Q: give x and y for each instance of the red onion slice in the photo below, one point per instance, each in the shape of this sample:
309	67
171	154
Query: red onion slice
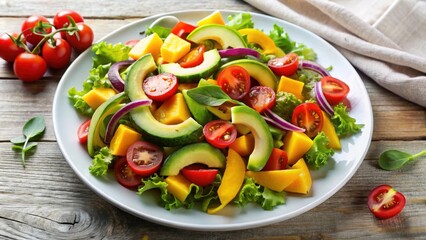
279	122
112	124
314	67
114	74
322	101
238	52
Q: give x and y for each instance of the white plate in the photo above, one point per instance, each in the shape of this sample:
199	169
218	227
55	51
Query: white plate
326	182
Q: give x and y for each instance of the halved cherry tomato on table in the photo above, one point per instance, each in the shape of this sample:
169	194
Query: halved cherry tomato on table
82	39
83	131
277	161
57	54
8	49
60	20
124	174
29	67
199	174
160	87
308	115
261	98
194	58
334	90
234	81
385	202
34	25
284	66
182	29
144	158
220	133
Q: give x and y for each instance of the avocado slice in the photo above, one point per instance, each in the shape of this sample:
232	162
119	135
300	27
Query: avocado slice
225	36
190	75
194	153
183	133
198	111
257	70
263	142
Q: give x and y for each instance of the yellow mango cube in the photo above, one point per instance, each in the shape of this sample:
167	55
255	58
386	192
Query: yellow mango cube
303	182
150	44
330	133
123	137
291	86
214	18
178	186
276	180
174	48
95	97
173	111
243	145
296	144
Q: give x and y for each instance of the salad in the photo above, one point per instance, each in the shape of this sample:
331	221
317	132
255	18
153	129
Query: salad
212	114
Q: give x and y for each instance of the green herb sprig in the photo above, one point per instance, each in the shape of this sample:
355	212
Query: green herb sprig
395	159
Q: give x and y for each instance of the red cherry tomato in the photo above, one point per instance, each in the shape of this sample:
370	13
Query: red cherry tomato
385	202
35	25
131	43
199	174
261	98
277	161
194	58
57	56
144	158
8	49
308	115
124	174
29	67
83	131
82	39
235	81
284	66
334	90
182	29
220	133
161	86
60	20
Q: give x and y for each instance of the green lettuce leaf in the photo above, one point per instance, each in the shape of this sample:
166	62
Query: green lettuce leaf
318	155
271	199
285	103
344	124
106	53
240	20
101	162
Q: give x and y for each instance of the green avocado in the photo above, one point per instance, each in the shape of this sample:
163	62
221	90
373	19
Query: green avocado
183	133
263	141
203	153
198	111
225	36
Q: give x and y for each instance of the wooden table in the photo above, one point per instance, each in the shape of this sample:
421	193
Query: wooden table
47	200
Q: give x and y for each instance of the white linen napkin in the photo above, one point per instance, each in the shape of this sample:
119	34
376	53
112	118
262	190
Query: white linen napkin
384	39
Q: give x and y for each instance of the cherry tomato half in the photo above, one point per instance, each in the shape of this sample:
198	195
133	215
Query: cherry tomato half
284	66
261	98
194	58
277	161
34	25
8	49
235	81
82	39
83	131
131	43
385	202
144	158
334	90
57	54
124	174
199	174
220	133
182	29
60	20
160	87
29	67
308	115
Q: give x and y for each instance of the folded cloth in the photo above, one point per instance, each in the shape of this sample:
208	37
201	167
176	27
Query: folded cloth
387	42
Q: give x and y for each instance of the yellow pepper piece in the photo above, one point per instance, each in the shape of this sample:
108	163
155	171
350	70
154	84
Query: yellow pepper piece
303	182
276	180
296	144
150	44
232	180
330	133
123	137
213	18
174	48
291	86
95	97
178	186
261	39
173	111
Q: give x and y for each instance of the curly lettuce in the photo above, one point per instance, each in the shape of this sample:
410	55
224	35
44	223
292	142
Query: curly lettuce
101	162
344	124
285	103
319	154
240	20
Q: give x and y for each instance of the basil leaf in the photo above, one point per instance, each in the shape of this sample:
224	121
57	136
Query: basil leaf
210	95
34	127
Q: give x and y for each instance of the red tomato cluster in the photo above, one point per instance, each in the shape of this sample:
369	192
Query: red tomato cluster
41	44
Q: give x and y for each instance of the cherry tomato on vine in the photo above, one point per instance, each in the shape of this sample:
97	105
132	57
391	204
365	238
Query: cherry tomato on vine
57	54
124	174
308	115
334	90
194	58
220	133
160	87
81	39
284	66
144	158
261	98
385	202
199	174
182	29
29	67
234	81
277	161
60	20
83	131
34	25
8	49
